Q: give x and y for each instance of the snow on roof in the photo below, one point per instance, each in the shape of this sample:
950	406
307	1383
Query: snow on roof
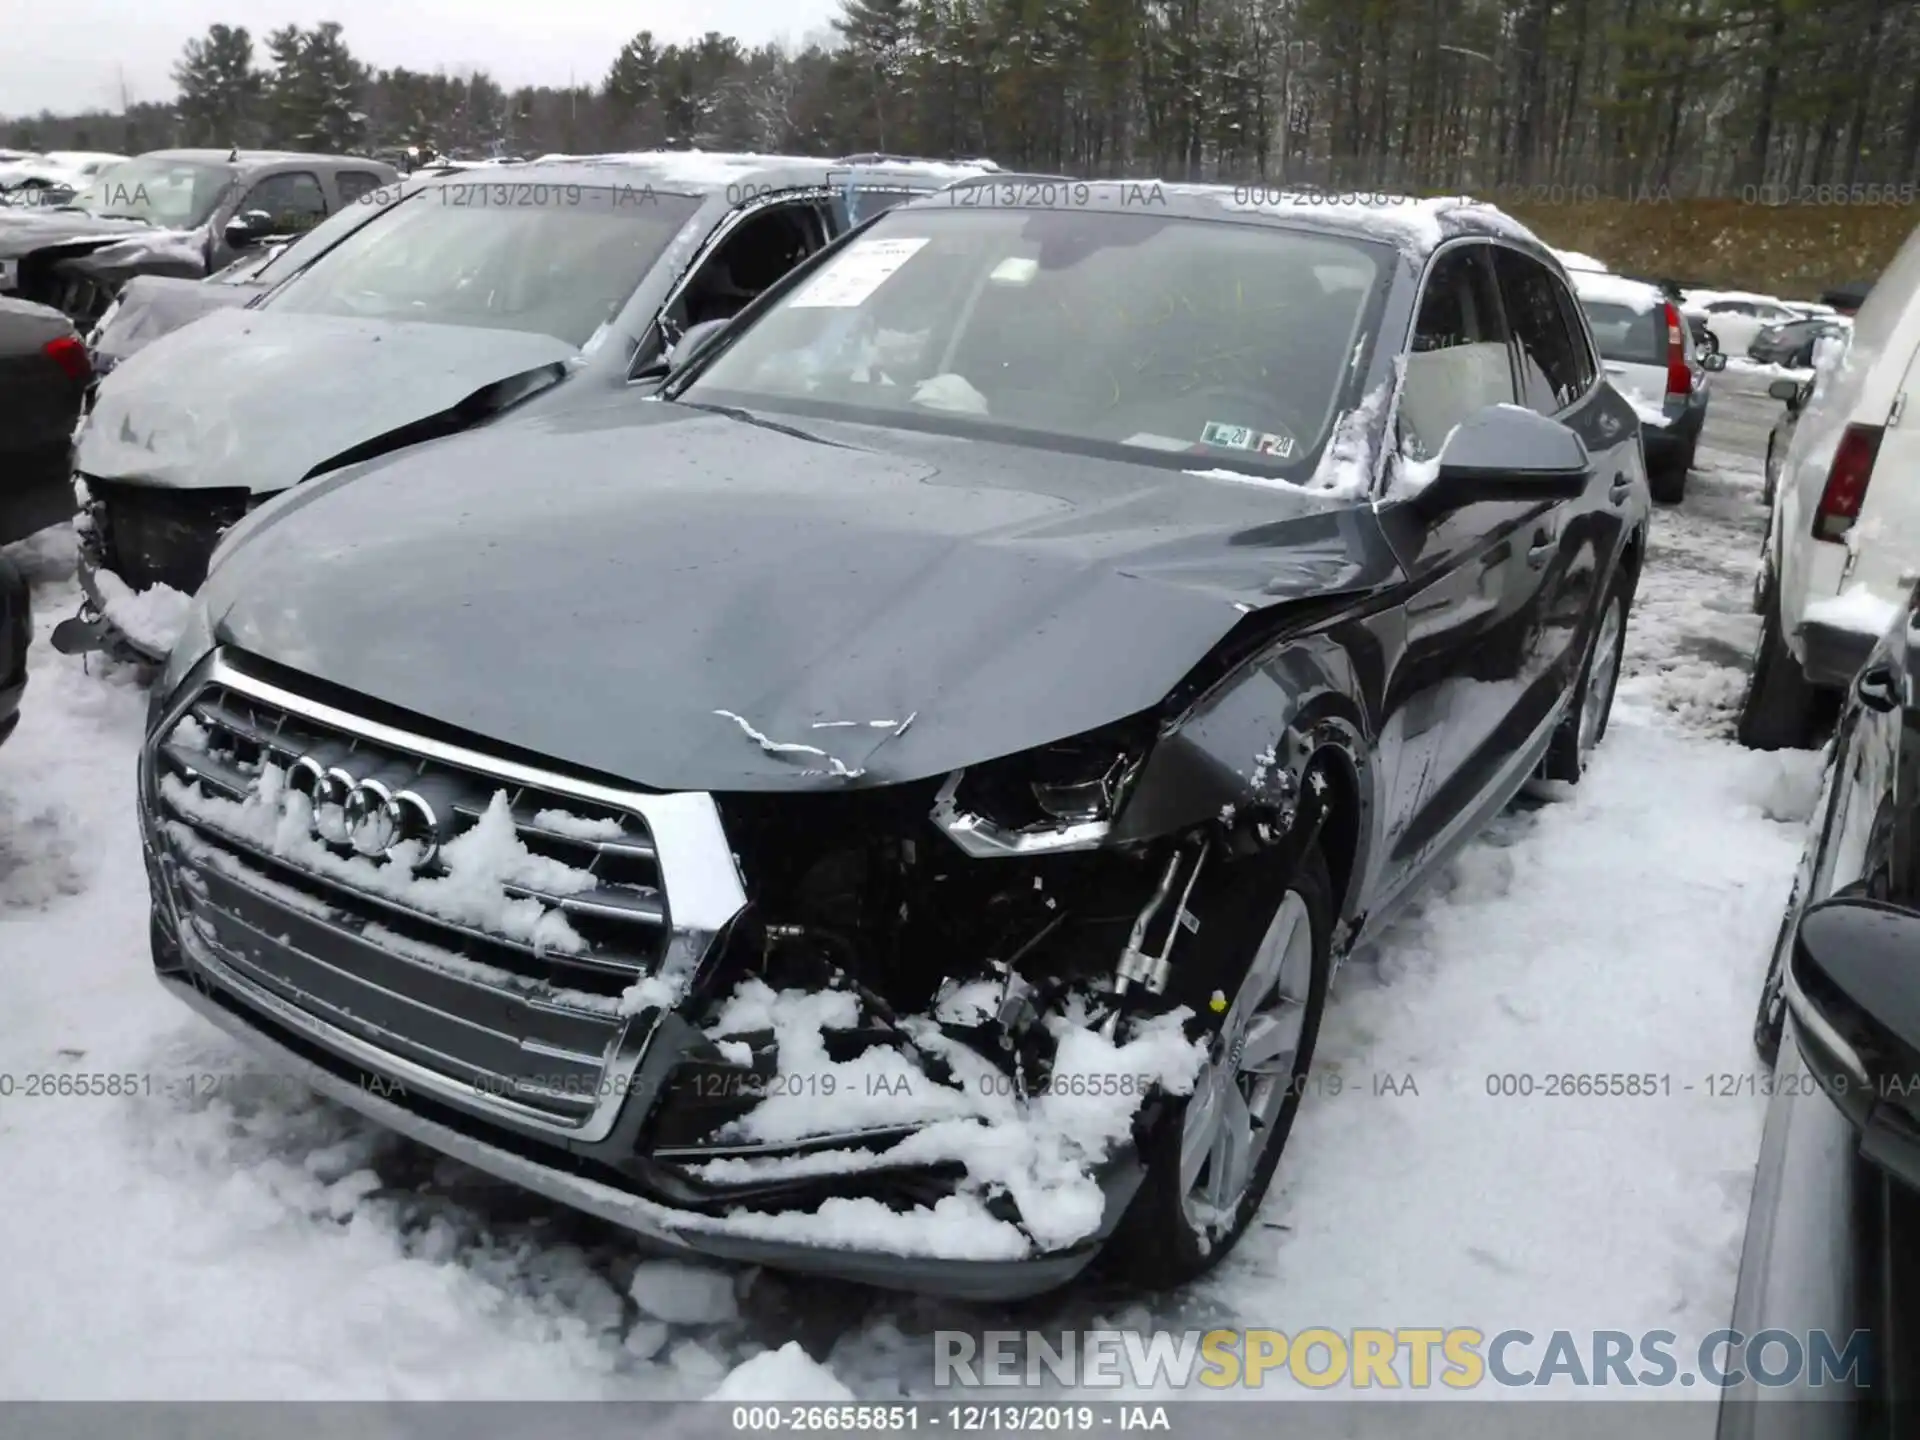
1698	298
1414	223
721	167
1574	260
1636	295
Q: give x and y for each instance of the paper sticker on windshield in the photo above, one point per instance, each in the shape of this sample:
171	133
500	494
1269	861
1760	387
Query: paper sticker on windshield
1278	446
1015	270
1231	437
862	269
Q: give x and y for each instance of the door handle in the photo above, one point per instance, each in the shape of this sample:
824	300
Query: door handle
1542	548
1622	488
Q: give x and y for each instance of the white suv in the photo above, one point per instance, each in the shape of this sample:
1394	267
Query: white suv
1844	543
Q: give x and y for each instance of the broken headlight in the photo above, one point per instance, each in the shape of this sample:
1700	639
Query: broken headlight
1053	798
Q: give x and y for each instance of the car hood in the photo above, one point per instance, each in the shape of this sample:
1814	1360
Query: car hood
22	231
154	305
670	597
256	399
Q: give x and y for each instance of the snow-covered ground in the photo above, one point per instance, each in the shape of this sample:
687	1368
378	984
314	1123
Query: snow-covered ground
221	1233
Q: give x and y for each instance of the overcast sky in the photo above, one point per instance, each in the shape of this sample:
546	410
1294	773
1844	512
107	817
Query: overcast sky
74	55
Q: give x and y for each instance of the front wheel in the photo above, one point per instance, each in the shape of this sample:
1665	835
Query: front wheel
1778	710
1211	1158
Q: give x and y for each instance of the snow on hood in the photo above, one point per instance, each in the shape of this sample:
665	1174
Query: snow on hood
1635	295
255	399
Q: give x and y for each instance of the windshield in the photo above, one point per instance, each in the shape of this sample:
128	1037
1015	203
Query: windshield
1092	329
558	260
178	194
1627	335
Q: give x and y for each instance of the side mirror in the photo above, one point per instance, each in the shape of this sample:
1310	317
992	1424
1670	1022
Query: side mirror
1506	452
1713	360
682	352
243	230
1786	390
1854	992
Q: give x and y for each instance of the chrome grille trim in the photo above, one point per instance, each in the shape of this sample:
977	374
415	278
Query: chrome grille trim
698	881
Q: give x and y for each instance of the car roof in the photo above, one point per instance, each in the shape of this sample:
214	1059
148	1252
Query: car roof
1605	289
707	173
1416	225
254	157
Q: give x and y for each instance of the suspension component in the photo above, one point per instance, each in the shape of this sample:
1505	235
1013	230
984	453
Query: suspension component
1138	966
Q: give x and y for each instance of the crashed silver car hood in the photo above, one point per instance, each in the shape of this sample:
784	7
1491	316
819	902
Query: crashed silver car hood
256	399
598	585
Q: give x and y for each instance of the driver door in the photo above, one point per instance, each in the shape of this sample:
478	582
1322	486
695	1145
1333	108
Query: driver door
1479	576
292	199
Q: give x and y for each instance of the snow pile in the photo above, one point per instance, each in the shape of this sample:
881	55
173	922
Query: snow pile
151	619
1742	365
683	1294
1044	1150
787	1375
478	864
579	827
1856	608
1346	466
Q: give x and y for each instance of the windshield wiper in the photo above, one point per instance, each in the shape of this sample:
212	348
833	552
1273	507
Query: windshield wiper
747	417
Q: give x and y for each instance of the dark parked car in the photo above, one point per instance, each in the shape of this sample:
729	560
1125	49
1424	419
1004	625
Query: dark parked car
1793	343
16	634
1793	396
1833	1239
448	299
43	375
171	212
892	806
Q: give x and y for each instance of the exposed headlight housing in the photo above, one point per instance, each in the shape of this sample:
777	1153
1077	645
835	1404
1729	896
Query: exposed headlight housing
1046	801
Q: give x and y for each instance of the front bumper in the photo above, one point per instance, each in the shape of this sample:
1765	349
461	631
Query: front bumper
424	1051
1833	656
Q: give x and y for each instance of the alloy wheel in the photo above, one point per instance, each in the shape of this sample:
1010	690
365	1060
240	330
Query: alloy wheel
1603	672
1243	1089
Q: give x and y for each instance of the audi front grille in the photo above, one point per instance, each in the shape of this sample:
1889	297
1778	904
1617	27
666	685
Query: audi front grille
543	1021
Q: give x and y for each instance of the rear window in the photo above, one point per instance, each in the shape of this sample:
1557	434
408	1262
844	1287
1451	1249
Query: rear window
548	259
1625	335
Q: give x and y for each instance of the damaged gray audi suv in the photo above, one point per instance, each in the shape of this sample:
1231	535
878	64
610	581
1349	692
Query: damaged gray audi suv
890	804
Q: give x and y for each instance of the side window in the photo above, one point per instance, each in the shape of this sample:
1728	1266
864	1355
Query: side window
1586	368
1458	363
863	203
352	184
1542	342
294	200
762	248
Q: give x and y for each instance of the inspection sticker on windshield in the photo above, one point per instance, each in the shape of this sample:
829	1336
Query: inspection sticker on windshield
1232	437
856	274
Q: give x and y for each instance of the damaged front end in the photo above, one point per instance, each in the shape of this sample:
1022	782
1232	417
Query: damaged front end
909	1034
143	550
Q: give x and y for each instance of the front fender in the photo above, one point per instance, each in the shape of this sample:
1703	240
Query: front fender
1246	742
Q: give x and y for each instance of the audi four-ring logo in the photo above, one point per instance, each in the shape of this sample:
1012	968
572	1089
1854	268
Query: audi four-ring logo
370	816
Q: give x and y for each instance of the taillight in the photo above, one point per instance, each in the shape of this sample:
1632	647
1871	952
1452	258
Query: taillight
1847	481
70	355
1679	378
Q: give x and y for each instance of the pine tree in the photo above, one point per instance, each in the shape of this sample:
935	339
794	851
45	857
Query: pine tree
314	91
878	32
220	90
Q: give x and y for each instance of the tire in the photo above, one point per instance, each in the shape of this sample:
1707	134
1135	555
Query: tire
1667	481
1571	751
1171	1235
1780	707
